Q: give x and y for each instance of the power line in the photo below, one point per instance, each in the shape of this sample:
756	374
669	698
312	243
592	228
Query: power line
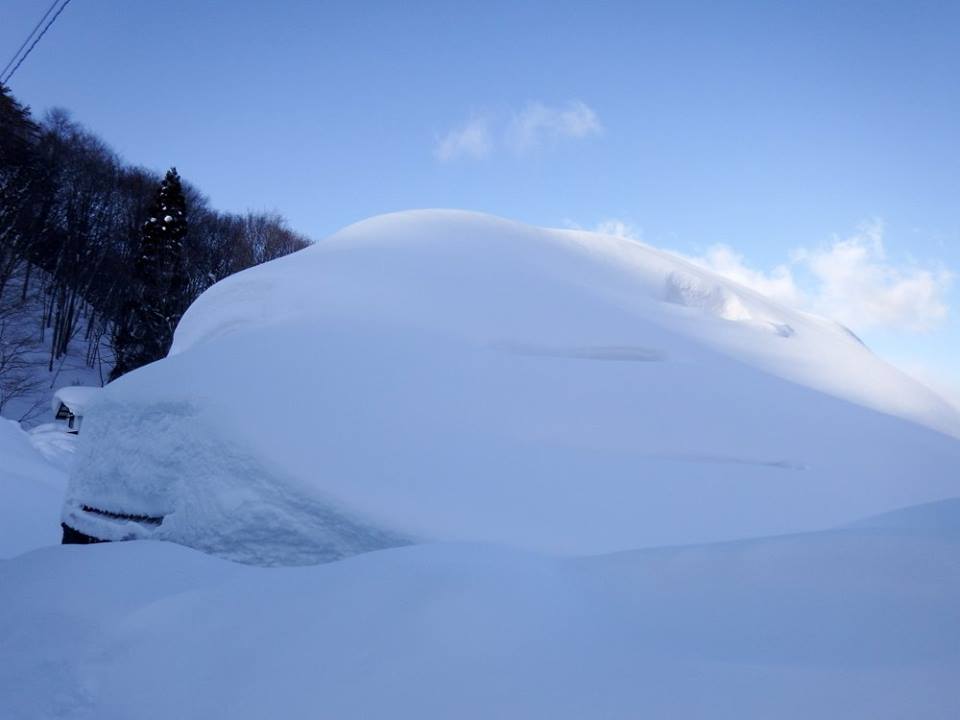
28	38
43	32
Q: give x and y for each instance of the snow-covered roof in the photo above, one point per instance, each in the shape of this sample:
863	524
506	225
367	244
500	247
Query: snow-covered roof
76	397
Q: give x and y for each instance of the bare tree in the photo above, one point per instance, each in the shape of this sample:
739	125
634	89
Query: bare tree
71	215
18	378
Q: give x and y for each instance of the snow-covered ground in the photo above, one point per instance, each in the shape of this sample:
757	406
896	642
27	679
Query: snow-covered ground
449	376
32	483
853	623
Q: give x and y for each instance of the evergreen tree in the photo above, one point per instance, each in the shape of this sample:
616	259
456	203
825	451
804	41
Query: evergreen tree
156	301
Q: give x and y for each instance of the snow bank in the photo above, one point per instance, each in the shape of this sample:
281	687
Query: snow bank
31	493
441	375
852	623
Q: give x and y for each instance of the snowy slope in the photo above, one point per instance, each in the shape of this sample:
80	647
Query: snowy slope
442	375
852	623
23	318
31	488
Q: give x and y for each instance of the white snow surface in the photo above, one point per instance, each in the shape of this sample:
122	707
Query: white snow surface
450	376
31	487
855	623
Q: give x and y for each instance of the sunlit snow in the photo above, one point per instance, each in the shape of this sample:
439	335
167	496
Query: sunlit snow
449	376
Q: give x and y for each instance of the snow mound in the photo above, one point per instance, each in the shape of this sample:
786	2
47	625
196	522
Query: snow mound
443	375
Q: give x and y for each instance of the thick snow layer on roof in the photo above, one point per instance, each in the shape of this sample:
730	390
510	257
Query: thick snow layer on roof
76	397
443	375
853	623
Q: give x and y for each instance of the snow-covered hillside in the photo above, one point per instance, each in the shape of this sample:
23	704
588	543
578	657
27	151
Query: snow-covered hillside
442	375
853	623
28	379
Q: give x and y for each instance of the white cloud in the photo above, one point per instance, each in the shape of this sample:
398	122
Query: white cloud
860	287
538	123
619	228
778	284
472	140
850	279
534	125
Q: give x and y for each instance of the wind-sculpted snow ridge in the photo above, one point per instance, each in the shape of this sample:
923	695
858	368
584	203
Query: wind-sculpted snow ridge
444	375
858	622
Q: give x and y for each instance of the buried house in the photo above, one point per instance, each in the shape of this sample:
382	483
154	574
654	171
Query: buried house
448	376
70	403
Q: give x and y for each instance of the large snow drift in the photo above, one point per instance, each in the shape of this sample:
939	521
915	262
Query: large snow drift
854	623
442	375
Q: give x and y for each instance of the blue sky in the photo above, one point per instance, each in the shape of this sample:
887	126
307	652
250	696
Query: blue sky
810	149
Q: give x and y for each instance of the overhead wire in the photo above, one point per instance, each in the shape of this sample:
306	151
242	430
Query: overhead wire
29	37
6	79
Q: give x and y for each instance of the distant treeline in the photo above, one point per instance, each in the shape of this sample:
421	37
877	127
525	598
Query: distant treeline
71	219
